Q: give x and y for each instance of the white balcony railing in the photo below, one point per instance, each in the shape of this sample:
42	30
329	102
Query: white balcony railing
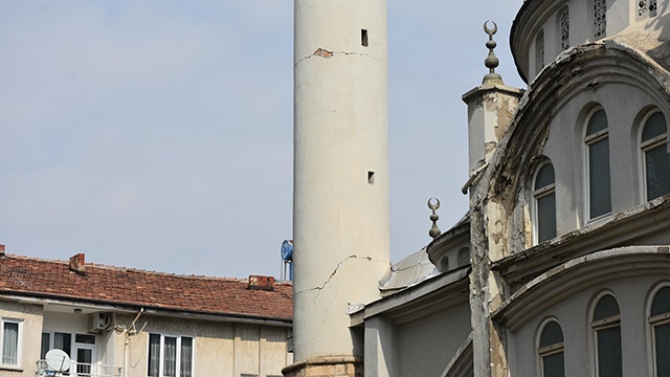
79	370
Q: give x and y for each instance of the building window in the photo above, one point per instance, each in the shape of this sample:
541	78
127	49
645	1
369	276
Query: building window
551	350
607	326
170	356
646	8
655	157
659	320
544	194
599	18
463	256
599	193
564	28
10	341
539	51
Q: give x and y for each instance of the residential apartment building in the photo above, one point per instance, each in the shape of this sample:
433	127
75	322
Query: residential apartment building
115	321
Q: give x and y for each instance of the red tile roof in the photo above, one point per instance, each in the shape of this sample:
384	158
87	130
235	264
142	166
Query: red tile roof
137	288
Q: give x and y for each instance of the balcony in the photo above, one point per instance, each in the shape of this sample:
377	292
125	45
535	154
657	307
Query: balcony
79	370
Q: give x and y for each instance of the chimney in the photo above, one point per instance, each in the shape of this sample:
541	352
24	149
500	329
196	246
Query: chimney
77	263
263	283
2	251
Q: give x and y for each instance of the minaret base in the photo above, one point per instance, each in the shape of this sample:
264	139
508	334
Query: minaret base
337	366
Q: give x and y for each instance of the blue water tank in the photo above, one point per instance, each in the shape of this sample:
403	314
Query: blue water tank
287	250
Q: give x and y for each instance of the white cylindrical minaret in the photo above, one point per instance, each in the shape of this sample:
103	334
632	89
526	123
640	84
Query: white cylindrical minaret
340	209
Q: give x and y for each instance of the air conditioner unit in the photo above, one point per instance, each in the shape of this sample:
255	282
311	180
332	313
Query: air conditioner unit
98	322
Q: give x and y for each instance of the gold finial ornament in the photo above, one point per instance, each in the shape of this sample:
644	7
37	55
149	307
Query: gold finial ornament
491	62
434	205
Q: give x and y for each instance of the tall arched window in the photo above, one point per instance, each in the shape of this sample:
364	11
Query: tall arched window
659	320
544	194
550	351
564	28
655	157
599	18
539	51
607	326
598	165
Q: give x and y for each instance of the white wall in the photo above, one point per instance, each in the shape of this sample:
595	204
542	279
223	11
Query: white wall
573	315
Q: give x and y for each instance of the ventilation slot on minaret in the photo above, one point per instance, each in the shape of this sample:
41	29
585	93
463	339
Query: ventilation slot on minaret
371	177
364	37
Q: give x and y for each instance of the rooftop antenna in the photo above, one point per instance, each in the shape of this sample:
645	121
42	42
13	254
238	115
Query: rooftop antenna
491	62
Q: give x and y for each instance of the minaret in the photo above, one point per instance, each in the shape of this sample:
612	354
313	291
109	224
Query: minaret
491	108
340	199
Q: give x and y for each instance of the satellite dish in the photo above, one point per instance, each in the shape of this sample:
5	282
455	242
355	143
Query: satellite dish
57	360
287	250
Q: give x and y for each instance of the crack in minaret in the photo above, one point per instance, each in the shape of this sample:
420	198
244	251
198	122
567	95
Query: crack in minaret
332	274
326	54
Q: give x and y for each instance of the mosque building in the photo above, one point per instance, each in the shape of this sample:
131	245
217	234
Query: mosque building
561	267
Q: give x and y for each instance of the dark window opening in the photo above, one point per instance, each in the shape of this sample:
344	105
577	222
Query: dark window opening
364	37
371	177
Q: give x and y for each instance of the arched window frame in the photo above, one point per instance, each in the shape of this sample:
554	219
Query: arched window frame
551	350
538	194
647	146
653	322
563	27
588	141
603	324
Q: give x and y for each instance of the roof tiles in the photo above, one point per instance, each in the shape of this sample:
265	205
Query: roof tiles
122	286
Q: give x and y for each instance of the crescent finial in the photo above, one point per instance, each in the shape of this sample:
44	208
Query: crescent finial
488	31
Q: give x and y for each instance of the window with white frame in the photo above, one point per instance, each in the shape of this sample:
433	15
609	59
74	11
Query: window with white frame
544	198
564	28
599	192
659	320
607	326
655	156
170	356
10	341
551	350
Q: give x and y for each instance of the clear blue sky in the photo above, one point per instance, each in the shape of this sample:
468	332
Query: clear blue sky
157	134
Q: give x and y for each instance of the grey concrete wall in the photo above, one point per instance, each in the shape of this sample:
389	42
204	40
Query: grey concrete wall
426	346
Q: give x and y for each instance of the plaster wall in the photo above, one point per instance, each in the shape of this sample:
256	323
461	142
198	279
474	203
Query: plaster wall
220	348
31	328
341	218
417	340
574	316
624	104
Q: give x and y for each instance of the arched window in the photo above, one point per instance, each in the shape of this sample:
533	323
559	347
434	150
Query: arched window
539	51
659	319
463	256
550	351
544	194
599	195
599	18
444	264
564	28
655	157
607	326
